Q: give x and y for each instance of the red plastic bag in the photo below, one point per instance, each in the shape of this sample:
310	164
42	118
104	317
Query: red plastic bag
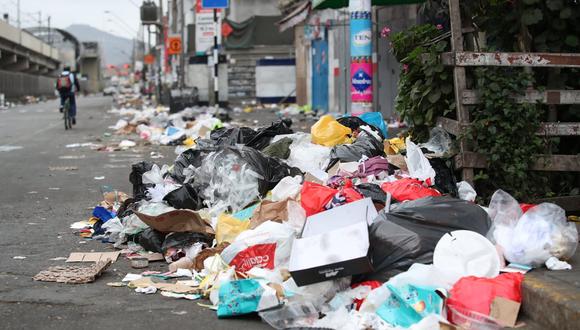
477	293
372	284
314	197
525	207
408	190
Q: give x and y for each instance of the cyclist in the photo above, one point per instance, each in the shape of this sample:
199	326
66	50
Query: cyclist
67	85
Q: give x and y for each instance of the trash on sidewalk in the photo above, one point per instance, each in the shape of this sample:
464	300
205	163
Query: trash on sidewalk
73	274
93	256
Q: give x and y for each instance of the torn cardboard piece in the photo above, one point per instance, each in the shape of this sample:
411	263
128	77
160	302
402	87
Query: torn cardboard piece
505	311
93	256
268	210
72	274
177	221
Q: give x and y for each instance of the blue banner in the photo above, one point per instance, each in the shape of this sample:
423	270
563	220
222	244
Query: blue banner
361	37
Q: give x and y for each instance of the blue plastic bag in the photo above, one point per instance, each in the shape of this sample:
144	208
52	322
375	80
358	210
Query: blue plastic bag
375	119
103	214
244	297
409	304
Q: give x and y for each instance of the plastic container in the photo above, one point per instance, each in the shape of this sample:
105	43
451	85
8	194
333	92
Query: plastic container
140	262
470	320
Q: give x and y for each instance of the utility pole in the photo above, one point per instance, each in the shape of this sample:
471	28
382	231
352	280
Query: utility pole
49	32
39	19
215	59
18	13
182	55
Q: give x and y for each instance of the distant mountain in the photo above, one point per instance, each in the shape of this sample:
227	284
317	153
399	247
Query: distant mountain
114	49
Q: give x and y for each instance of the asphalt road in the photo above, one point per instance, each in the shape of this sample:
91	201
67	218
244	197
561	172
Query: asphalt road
41	195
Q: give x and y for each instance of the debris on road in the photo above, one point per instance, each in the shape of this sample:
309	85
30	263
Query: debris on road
73	274
335	229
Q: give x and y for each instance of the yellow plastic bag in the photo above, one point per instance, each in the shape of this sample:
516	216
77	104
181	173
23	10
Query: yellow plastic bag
329	132
394	146
228	228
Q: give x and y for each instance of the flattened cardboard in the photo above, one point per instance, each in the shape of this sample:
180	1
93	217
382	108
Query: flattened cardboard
73	274
274	211
93	256
505	311
312	178
177	221
398	161
333	244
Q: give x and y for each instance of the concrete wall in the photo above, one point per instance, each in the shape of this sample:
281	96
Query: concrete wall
15	85
241	10
91	69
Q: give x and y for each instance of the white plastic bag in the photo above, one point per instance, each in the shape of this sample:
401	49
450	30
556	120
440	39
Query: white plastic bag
418	164
466	191
288	187
532	238
266	246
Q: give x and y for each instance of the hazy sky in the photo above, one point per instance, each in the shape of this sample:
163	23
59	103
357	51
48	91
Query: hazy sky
66	12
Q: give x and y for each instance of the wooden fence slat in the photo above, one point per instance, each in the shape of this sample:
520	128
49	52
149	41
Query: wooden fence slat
458	58
551	163
547	129
471	97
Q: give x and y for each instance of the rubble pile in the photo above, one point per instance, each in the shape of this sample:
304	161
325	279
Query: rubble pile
341	228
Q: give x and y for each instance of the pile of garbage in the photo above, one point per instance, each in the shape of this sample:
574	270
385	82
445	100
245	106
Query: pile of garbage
340	228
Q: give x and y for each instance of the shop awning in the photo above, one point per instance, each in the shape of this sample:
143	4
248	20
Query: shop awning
324	4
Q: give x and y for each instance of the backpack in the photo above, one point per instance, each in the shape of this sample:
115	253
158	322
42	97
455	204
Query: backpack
64	83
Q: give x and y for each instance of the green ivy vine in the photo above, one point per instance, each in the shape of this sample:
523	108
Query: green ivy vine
425	85
505	131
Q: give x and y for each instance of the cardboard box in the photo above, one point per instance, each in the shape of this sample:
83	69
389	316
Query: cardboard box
333	244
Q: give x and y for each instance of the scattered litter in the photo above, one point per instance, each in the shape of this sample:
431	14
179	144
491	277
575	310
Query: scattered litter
178	312
181	295
9	148
99	178
116	284
63	168
93	256
146	290
58	259
54	188
19	257
72	274
72	157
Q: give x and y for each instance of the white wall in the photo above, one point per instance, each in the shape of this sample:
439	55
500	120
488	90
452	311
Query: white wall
241	10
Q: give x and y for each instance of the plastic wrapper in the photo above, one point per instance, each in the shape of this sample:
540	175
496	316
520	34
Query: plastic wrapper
229	227
291	315
418	165
368	143
408	304
279	149
372	191
354	123
265	134
329	132
232	136
189	157
439	141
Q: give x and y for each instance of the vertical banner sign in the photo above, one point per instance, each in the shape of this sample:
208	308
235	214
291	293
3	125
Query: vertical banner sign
361	89
361	73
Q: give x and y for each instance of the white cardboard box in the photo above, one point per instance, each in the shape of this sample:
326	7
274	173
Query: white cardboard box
333	244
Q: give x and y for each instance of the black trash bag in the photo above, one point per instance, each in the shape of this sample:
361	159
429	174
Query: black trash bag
355	123
184	239
271	170
410	231
231	136
444	179
150	239
189	157
265	134
136	178
393	249
433	217
365	145
279	149
373	191
126	208
186	197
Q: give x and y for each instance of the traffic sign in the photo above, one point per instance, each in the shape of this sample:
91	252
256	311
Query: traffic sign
174	45
215	4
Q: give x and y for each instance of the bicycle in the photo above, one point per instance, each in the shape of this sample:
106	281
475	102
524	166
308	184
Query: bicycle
67	117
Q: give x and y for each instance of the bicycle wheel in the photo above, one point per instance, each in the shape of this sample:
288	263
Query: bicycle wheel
67	119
